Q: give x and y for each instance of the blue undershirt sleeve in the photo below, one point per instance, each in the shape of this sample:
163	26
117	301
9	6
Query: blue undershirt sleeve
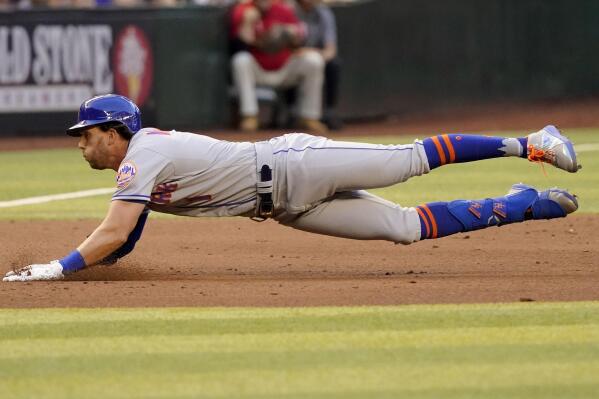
128	246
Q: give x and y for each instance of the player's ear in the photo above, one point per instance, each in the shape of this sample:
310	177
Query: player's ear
113	136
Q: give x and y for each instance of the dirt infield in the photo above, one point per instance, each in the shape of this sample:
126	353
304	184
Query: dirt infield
236	262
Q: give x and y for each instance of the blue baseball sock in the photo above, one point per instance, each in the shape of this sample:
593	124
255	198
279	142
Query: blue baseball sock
440	219
456	148
436	221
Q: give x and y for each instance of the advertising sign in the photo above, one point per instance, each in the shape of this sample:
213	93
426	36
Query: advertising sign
55	67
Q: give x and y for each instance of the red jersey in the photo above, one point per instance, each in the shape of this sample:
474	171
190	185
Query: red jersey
278	13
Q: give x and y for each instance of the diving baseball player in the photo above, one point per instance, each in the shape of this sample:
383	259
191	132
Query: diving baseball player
306	182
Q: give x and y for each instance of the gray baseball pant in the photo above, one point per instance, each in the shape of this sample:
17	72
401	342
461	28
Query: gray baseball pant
318	186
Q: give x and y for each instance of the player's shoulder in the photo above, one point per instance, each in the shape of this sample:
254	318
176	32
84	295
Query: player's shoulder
153	131
152	139
151	136
167	140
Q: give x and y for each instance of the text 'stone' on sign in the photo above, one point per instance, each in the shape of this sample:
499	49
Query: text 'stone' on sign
53	68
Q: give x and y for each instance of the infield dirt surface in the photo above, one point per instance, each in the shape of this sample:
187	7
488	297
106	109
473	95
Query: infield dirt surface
237	262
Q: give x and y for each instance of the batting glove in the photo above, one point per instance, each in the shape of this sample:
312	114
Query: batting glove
48	271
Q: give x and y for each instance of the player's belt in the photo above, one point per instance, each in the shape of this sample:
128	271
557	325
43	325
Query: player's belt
264	207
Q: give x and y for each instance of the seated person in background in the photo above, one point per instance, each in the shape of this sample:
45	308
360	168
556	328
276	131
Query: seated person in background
272	33
322	36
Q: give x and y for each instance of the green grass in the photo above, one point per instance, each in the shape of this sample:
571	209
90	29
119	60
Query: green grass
527	350
443	351
42	172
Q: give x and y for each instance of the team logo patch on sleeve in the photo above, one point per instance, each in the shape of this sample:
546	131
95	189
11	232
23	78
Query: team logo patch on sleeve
125	174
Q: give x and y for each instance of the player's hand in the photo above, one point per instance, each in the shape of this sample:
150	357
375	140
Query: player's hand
48	271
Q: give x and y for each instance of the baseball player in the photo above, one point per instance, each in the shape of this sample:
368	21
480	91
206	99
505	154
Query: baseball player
306	182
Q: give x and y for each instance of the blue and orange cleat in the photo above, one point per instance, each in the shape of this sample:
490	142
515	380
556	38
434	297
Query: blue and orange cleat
521	203
550	146
549	204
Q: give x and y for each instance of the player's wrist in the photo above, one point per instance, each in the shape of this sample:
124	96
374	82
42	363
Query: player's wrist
72	262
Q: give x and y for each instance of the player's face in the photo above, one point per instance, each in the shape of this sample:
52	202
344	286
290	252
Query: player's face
92	144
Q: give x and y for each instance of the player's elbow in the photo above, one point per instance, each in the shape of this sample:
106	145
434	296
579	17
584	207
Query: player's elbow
116	235
120	239
117	240
121	234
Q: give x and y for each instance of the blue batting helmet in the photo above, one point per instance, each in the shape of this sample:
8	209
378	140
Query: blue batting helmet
106	109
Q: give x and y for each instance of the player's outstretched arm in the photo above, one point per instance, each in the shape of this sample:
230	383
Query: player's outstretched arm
112	233
127	247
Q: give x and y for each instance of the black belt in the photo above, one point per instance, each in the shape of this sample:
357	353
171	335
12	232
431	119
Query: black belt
265	205
264	186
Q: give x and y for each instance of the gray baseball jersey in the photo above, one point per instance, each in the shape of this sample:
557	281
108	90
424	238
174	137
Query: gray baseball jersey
317	182
188	174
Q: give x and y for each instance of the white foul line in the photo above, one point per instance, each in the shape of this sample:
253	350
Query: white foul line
586	147
55	197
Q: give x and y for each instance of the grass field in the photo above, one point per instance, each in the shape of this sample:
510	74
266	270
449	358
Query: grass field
524	350
471	351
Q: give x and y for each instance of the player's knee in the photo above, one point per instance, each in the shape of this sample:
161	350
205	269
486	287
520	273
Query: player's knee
405	228
396	234
402	238
419	162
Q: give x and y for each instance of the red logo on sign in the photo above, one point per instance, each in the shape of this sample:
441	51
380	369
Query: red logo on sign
133	64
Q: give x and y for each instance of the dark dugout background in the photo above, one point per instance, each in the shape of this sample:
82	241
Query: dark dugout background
398	56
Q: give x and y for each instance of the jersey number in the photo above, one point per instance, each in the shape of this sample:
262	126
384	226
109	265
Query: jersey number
163	193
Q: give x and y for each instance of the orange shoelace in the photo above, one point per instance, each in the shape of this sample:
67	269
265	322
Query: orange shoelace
535	155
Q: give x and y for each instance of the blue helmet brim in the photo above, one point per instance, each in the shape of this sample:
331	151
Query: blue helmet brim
75	130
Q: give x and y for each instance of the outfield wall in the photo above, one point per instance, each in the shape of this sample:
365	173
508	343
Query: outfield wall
436	52
170	61
398	56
